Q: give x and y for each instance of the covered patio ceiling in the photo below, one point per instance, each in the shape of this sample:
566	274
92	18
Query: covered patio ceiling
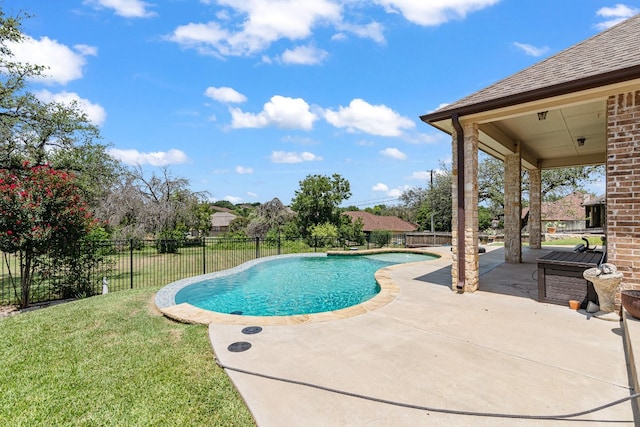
551	135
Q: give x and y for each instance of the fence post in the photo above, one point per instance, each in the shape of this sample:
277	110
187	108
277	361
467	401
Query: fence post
131	262
204	256
279	243
257	247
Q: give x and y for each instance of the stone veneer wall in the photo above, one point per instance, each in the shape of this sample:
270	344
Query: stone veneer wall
535	207
512	209
471	269
623	187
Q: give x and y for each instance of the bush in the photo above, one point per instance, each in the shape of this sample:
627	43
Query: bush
380	237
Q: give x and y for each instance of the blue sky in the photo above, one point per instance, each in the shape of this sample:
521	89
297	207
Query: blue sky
245	98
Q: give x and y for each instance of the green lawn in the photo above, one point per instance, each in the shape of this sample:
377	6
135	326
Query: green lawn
112	360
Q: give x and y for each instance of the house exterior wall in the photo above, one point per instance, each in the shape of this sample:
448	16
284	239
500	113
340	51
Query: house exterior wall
623	187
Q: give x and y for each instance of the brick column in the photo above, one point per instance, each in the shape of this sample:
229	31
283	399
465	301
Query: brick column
512	208
471	261
623	175
535	205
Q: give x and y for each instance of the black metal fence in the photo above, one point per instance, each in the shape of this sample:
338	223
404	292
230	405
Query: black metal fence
129	264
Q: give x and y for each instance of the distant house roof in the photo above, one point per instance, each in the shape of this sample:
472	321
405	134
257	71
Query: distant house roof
600	200
220	209
608	57
569	208
378	222
222	219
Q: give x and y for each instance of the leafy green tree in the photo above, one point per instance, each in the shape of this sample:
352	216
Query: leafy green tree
380	238
423	202
555	183
325	234
350	230
317	200
56	134
42	214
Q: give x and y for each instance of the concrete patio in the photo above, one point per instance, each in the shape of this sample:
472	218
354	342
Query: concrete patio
431	355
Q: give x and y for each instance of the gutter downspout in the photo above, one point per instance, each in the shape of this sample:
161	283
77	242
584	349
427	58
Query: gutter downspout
461	201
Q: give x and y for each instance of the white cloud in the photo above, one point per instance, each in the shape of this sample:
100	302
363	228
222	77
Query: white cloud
304	55
124	8
233	199
373	31
434	12
280	111
372	119
262	24
396	192
394	153
243	170
421	176
63	63
225	94
245	28
251	194
96	114
380	187
531	50
291	157
158	158
391	192
615	15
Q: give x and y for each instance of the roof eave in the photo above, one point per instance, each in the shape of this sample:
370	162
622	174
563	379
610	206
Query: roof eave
598	80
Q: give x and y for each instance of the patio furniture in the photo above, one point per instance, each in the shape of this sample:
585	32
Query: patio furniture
560	277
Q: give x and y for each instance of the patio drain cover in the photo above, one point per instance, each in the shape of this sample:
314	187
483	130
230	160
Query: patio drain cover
250	330
239	346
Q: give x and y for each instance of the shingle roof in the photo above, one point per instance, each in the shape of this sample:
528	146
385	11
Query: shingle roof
222	219
377	222
602	56
569	208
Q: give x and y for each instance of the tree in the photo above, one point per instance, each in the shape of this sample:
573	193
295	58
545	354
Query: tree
555	183
317	201
268	216
54	134
41	214
421	203
161	205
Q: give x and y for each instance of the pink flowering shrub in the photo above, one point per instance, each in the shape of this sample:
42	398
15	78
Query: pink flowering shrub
41	213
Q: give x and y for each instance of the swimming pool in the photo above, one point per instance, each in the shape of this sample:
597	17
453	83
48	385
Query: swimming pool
290	285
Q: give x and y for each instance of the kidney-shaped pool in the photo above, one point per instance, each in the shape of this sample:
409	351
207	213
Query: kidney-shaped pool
288	285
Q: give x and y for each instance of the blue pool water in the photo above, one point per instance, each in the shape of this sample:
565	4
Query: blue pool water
294	285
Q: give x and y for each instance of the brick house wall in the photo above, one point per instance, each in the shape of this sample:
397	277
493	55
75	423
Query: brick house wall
623	187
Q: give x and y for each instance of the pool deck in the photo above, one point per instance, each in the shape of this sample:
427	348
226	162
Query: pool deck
497	350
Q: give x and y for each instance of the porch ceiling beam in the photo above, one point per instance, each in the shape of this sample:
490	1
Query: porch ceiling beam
586	160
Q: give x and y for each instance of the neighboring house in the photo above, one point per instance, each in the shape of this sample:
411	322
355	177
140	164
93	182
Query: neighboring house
595	212
373	222
220	222
567	214
578	107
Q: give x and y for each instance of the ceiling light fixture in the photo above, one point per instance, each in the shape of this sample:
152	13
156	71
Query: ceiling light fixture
581	141
542	115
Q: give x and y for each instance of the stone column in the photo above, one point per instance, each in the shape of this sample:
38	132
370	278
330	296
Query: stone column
512	208
470	238
535	205
623	205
